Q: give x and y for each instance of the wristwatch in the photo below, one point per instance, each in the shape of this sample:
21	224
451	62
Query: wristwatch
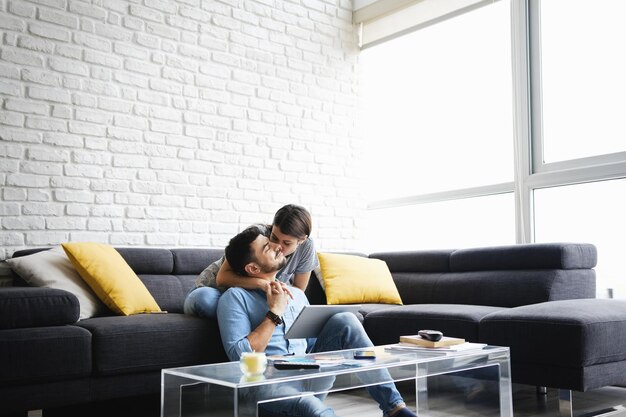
275	318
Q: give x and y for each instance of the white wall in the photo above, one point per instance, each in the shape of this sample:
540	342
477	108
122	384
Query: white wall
175	123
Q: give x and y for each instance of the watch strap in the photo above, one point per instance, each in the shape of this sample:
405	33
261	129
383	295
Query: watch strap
275	318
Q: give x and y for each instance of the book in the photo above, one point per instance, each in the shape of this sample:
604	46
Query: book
419	341
410	347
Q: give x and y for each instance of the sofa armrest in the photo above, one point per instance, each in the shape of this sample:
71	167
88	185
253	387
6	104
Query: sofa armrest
22	307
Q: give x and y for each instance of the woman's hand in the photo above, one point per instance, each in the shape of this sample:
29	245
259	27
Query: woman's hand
277	297
284	286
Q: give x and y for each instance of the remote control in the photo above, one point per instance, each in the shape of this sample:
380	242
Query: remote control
431	335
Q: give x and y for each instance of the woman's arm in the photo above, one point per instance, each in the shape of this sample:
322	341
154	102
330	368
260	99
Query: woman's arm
301	280
226	277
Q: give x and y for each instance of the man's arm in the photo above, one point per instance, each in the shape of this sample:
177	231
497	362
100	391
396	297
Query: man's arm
234	323
277	297
236	330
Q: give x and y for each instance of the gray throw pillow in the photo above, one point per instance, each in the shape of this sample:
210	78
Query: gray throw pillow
53	269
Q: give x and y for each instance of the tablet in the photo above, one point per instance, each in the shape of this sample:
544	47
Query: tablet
312	318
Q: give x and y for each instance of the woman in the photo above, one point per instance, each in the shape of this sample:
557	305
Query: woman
289	233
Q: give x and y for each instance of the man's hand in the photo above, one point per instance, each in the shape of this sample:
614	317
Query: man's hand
277	297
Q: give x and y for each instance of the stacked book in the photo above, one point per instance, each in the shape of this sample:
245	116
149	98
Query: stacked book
445	344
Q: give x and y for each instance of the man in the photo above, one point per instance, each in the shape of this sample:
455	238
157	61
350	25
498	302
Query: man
255	320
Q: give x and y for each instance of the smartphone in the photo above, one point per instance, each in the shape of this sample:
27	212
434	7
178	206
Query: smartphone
364	354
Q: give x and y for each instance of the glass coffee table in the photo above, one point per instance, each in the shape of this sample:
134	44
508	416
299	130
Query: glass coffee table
222	390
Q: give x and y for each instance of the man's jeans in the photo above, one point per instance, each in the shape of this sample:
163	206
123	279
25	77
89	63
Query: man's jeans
342	331
202	302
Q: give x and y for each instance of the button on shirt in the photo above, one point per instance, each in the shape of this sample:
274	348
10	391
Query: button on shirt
241	311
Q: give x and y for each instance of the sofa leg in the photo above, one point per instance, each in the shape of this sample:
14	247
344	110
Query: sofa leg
34	413
565	403
542	390
566	408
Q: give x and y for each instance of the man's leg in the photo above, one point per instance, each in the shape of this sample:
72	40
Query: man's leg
306	406
202	302
345	331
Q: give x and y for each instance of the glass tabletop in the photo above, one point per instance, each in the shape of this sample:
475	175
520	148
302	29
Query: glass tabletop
331	363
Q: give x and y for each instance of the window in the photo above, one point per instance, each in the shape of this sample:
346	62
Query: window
437	106
500	123
583	82
462	223
438	119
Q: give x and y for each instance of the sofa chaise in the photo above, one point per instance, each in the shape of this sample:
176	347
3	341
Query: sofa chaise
49	358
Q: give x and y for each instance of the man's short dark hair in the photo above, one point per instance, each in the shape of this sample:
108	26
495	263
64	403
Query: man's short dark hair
239	252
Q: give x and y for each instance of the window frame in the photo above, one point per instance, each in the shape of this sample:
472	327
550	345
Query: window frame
553	174
530	172
596	166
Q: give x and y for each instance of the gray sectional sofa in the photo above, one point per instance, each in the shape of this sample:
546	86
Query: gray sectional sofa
50	359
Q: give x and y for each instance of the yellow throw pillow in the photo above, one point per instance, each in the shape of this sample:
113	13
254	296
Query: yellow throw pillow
110	277
350	279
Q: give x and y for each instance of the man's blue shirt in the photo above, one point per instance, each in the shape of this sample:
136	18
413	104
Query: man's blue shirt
240	311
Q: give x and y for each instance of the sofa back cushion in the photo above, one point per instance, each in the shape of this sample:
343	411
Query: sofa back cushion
525	256
155	261
495	288
190	261
413	261
502	276
169	274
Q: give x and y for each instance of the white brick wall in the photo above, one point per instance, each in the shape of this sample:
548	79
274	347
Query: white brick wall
175	123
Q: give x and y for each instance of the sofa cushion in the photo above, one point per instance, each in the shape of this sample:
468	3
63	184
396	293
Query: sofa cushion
194	261
111	278
457	320
370	308
148	260
571	344
509	288
525	256
146	342
350	279
595	330
413	261
169	291
22	307
37	355
52	269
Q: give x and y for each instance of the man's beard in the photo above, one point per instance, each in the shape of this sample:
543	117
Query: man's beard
273	268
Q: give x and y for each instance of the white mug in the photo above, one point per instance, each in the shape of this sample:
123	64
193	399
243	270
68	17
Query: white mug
253	363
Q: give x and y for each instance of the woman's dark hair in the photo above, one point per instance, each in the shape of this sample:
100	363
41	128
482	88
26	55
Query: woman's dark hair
239	253
293	220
